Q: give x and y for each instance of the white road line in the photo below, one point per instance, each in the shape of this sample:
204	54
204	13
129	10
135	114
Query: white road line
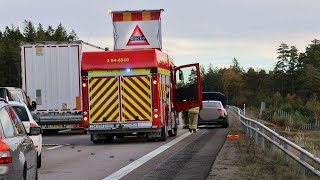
55	147
135	164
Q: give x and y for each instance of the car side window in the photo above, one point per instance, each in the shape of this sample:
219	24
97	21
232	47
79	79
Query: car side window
16	121
7	126
22	113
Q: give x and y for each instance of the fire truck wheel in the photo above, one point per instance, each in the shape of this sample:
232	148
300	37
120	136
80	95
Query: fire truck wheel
96	142
164	132
173	132
109	139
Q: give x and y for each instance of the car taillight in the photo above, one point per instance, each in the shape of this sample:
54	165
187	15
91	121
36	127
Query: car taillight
5	157
221	112
33	125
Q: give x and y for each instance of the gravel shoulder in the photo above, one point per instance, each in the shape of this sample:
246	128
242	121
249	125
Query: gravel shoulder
227	163
241	159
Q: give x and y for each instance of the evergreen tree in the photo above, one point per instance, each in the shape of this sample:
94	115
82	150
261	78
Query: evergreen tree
281	67
292	67
29	32
60	34
41	34
49	33
72	36
235	66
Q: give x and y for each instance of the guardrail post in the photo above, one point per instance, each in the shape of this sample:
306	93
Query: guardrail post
248	129
241	123
271	146
285	155
302	170
262	140
251	134
256	134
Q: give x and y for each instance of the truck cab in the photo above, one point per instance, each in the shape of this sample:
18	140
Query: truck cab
16	94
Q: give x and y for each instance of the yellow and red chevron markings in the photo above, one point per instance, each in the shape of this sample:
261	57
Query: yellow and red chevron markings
104	99
136	98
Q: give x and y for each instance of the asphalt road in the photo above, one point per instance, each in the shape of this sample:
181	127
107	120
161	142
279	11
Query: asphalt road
188	156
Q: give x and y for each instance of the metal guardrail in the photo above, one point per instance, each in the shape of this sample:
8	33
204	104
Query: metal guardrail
254	128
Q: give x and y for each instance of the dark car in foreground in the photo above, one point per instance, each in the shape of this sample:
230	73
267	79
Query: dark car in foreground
18	155
213	113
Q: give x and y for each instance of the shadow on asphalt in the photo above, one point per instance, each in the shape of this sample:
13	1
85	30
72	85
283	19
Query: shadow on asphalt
210	127
65	133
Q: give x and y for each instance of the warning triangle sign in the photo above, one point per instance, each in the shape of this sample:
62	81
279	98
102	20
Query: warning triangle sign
137	38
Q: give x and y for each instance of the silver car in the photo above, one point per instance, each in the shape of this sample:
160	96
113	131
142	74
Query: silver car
18	155
213	113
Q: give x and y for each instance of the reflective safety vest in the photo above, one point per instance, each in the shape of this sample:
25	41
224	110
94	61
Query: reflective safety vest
194	110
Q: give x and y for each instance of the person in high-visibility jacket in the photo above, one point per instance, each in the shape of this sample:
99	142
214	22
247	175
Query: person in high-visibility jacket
193	119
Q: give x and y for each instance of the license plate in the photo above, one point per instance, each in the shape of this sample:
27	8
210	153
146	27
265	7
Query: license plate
99	126
54	126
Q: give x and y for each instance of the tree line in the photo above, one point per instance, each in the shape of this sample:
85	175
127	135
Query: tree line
292	86
12	37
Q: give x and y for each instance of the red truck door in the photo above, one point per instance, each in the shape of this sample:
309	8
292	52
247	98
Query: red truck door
187	91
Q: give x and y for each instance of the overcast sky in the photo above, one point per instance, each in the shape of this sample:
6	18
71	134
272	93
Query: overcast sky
204	31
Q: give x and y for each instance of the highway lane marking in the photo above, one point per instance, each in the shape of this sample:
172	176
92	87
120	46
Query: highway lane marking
135	164
55	147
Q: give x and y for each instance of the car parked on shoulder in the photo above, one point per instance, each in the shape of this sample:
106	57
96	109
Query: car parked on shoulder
18	155
216	96
213	113
28	122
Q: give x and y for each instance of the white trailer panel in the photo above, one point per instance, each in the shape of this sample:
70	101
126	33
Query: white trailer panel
51	75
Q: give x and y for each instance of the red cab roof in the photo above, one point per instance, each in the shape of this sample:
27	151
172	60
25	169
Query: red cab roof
105	60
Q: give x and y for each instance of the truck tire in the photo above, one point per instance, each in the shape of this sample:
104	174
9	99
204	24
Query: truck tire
109	138
94	140
24	173
39	161
173	132
164	133
225	123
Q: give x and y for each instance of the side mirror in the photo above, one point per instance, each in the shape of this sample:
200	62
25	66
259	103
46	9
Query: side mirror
34	105
35	131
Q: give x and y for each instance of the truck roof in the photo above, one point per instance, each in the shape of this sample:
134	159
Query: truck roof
123	59
39	43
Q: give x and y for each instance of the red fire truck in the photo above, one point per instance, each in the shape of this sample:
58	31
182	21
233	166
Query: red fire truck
136	92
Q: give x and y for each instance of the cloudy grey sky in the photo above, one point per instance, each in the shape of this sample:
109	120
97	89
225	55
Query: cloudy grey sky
204	31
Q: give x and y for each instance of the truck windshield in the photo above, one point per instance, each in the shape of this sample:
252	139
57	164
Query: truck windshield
18	96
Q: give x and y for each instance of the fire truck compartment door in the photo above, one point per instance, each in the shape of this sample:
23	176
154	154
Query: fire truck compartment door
136	98
187	87
104	99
